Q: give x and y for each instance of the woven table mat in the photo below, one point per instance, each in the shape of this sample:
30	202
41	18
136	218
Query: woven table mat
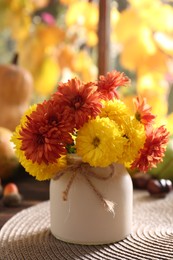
27	235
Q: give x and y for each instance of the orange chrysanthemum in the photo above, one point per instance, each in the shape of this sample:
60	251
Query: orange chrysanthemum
153	150
79	100
107	85
45	133
143	112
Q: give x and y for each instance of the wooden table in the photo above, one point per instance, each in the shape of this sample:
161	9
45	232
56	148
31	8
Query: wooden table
32	192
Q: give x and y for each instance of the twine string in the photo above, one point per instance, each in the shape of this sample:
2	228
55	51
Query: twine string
85	170
66	192
109	205
96	176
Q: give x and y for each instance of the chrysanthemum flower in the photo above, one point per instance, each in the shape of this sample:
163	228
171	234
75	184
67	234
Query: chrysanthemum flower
16	136
114	109
44	171
79	100
41	171
153	150
99	142
134	133
45	134
132	130
88	119
143	112
107	85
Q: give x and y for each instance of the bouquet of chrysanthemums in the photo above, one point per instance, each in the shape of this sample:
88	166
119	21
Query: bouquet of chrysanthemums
90	120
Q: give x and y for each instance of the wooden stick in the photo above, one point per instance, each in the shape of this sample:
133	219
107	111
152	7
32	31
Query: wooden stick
104	37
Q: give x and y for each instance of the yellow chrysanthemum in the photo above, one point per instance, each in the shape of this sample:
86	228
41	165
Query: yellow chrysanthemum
115	110
134	133
99	142
41	171
44	171
132	130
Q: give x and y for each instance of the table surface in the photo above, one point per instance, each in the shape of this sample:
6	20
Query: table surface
32	192
27	234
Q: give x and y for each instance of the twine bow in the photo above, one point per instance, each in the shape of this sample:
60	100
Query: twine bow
84	169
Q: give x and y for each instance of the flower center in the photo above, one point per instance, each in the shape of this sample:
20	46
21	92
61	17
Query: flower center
77	102
138	116
96	142
40	139
52	120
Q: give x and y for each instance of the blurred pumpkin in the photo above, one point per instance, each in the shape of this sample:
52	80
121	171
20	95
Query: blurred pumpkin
8	159
16	88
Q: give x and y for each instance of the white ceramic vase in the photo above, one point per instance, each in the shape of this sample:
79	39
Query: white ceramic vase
83	218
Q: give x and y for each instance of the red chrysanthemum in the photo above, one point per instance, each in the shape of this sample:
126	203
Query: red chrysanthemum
79	100
154	148
143	112
107	85
46	133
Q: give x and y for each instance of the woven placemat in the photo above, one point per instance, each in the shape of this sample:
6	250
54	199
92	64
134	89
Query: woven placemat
27	235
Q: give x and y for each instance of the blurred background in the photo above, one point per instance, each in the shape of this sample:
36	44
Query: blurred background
43	42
